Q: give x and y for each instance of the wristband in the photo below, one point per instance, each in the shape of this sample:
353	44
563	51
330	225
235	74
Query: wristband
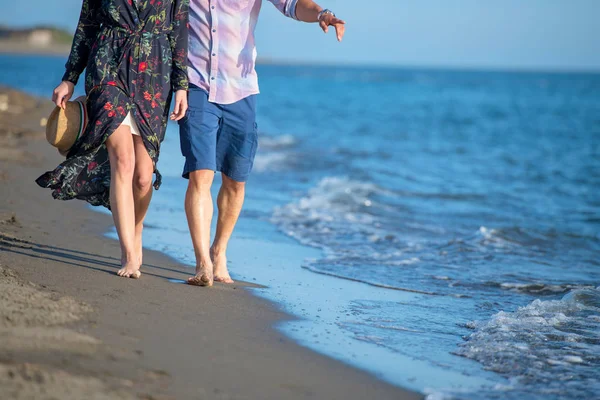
323	12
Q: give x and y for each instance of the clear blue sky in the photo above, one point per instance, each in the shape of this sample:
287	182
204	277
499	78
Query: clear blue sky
546	34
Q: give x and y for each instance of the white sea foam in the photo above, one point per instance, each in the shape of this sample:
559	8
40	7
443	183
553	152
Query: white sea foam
274	154
335	203
545	343
277	142
269	161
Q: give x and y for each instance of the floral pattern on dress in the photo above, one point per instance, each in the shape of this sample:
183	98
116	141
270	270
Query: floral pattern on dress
135	56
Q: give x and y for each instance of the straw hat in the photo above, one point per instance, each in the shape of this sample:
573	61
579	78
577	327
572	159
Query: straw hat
64	127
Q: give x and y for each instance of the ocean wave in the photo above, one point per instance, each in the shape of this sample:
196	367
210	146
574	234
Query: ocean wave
335	203
541	288
277	142
274	153
543	345
272	161
366	239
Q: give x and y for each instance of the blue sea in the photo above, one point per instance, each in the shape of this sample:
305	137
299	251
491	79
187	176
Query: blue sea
439	229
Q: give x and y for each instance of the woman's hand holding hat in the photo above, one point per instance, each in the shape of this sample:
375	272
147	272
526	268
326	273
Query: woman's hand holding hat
63	93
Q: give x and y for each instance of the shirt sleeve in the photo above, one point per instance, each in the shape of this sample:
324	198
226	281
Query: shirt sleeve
178	38
85	36
287	7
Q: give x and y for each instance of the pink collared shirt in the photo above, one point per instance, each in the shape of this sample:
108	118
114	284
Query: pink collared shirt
222	54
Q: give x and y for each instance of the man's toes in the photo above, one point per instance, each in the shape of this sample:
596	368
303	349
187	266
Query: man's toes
198	281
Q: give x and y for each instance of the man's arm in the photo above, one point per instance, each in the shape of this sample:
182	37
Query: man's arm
309	11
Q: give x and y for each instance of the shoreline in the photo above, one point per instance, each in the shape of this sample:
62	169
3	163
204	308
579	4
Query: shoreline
157	339
24	48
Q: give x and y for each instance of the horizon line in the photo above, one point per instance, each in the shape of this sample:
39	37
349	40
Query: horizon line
438	67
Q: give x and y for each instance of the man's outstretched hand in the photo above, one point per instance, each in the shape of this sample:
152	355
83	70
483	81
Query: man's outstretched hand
328	20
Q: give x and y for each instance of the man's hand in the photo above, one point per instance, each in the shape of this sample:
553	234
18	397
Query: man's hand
327	20
181	105
309	11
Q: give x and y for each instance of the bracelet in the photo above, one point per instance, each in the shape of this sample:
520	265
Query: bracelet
323	12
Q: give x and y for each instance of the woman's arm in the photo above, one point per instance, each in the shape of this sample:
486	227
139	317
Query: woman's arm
178	38
85	35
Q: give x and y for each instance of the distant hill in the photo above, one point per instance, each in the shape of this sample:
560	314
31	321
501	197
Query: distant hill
38	39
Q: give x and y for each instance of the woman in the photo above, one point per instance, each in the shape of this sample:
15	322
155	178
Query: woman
135	52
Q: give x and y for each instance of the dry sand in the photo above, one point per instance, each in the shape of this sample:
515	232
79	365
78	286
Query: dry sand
71	329
23	47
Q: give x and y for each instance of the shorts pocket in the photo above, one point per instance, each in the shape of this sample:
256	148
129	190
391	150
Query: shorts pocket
254	146
188	114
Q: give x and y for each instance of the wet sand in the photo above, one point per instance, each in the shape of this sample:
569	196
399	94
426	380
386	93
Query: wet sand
71	329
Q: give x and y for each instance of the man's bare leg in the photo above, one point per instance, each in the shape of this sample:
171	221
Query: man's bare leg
229	202
199	211
142	189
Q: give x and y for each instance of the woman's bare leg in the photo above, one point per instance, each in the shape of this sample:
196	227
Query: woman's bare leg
122	165
142	189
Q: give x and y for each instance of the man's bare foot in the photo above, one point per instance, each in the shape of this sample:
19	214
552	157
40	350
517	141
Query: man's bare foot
220	270
130	270
203	277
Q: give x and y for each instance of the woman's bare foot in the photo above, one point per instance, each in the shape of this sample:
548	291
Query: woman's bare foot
138	245
203	277
130	270
220	270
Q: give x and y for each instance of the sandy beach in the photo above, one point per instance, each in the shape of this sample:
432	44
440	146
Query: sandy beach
71	329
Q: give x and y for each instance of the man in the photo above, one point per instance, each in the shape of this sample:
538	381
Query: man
219	131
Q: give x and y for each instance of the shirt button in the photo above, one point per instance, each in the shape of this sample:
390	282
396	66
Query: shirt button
214	30
213	7
212	79
214	54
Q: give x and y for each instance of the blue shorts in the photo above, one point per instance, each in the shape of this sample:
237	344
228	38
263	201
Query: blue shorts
218	137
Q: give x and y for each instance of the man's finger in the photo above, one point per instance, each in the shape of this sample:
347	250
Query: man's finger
335	21
339	31
323	25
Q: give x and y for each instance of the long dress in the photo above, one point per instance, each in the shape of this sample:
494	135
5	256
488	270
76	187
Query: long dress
135	56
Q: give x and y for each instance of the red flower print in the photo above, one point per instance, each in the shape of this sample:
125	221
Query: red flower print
157	95
146	115
111	113
112	83
108	106
92	166
147	96
121	110
143	66
98	123
154	104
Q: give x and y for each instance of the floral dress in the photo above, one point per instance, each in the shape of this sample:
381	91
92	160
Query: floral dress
135	55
